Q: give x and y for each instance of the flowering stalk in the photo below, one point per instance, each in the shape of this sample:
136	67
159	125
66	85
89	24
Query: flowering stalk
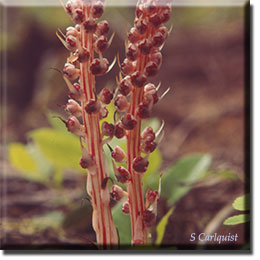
134	103
143	60
83	41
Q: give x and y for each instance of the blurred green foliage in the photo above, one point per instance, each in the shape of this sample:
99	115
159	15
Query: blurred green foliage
47	155
37	224
123	225
160	229
179	178
53	150
241	203
50	151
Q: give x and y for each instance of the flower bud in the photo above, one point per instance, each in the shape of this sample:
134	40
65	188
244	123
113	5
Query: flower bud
102	28
151	196
133	35
87	162
105	96
83	55
121	103
148	146
145	46
155	20
157	58
165	14
143	110
151	96
77	27
126	208
118	154
151	69
117	193
73	108
128	121
140	164
101	44
73	125
119	131
122	174
103	112
71	43
78	16
141	25
92	107
68	8
99	68
72	31
76	92
148	134
127	67
149	218
150	7
164	31
158	39
108	129
138	79
139	10
97	9
132	52
90	26
125	86
70	71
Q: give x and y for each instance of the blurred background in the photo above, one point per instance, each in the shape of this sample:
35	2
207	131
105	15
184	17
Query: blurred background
203	64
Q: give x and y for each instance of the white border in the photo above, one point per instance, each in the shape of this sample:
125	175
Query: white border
127	2
255	137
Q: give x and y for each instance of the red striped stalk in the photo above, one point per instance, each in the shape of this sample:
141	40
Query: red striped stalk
83	41
143	60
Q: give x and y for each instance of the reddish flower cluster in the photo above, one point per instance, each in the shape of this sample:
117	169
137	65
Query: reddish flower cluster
134	103
84	14
87	39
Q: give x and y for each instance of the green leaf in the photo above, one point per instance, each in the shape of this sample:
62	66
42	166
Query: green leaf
238	219
55	121
58	176
178	180
110	117
22	160
242	203
44	166
160	229
228	175
152	175
123	225
61	149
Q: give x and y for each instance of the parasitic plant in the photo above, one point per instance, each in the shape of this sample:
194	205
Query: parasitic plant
134	99
84	40
143	60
